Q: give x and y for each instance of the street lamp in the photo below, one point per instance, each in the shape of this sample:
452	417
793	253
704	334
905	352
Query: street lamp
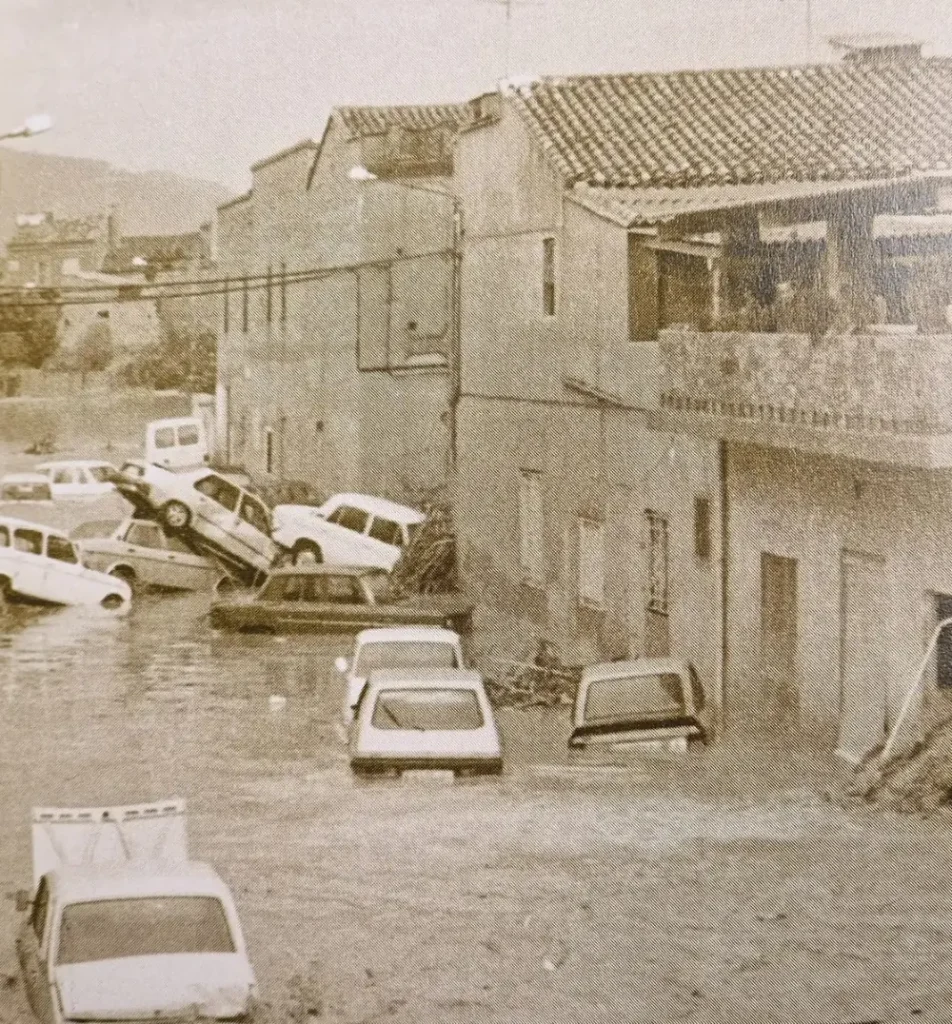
35	125
364	176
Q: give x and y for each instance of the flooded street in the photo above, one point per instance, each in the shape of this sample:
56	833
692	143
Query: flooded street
692	891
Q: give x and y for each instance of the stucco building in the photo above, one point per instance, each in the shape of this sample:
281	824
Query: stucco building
335	333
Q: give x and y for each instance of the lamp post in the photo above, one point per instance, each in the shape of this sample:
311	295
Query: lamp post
363	175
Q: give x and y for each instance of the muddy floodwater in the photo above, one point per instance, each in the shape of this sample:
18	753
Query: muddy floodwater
723	888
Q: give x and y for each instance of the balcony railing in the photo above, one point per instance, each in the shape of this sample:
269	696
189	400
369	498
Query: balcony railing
794	391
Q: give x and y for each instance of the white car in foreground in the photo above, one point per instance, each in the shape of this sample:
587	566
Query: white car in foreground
41	564
396	647
123	927
425	719
348	529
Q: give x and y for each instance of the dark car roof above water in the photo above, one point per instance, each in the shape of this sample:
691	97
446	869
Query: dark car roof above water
326	570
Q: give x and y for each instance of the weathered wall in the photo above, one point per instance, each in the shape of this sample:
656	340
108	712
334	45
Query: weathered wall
812	509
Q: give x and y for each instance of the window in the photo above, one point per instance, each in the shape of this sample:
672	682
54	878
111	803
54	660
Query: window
633	696
220	491
268	300
165	437
342	590
943	651
61	549
255	514
548	276
28	541
145	535
591	562
101	474
41	904
64	476
702	527
531	543
350	518
284	292
188	434
143	926
427	709
4	536
386	531
269	450
179	546
657	563
244	305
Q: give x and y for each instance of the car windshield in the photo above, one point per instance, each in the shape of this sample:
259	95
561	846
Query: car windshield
101	474
405	654
633	696
427	709
145	926
96	528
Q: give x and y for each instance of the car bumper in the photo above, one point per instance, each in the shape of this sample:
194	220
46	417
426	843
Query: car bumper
383	764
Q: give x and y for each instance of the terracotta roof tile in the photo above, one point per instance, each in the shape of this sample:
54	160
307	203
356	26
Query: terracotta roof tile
742	126
361	121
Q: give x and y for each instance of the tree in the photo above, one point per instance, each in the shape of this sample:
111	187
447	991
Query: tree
179	361
29	334
95	349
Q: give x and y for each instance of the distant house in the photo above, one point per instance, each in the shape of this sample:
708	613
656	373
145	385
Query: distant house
337	321
42	245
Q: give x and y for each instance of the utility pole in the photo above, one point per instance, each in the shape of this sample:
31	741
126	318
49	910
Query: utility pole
508	5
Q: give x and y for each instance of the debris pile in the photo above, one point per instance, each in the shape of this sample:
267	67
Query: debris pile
919	781
289	492
543	683
428	564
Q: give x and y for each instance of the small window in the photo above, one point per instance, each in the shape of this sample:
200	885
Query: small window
702	527
188	434
165	437
41	903
28	541
103	314
342	590
350	518
591	562
657	562
60	549
548	276
4	536
386	531
220	491
145	535
943	651
255	514
64	476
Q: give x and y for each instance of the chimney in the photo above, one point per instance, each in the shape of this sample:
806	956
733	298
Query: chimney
878	48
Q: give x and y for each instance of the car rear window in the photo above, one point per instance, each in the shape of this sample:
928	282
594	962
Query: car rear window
633	696
449	709
165	437
188	434
405	654
146	926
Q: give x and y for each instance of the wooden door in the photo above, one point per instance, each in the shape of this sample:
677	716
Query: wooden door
778	638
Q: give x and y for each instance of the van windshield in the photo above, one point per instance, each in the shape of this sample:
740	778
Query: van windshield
634	696
144	926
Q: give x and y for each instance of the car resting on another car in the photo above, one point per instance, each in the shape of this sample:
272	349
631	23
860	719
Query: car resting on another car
424	718
641	706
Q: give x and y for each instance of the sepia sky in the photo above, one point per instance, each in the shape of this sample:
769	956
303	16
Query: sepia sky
206	87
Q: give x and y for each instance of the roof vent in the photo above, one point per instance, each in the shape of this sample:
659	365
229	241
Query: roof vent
878	48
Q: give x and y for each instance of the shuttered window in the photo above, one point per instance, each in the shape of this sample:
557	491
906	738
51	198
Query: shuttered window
591	562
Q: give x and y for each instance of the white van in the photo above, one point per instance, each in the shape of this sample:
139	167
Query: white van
41	564
176	443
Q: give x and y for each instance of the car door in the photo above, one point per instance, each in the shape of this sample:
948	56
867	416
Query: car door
188	570
32	947
348	544
346	603
142	545
64	482
66	576
384	541
215	505
30	577
253	529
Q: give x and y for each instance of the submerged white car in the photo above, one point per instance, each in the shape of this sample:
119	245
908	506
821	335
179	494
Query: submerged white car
348	529
41	564
396	647
123	927
425	718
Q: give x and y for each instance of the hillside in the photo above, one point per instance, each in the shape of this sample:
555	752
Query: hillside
151	202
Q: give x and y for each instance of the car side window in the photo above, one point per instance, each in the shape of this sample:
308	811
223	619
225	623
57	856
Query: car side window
350	518
61	549
386	531
64	476
144	535
41	903
28	541
292	588
188	435
4	536
177	545
342	590
165	437
220	491
254	513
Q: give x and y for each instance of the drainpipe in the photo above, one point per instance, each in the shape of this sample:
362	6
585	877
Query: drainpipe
722	584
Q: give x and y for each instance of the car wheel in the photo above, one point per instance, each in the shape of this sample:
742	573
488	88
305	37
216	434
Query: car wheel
307	553
175	515
124	573
225	586
112	601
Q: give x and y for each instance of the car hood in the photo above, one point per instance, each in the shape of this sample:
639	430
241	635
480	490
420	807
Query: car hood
291	513
212	985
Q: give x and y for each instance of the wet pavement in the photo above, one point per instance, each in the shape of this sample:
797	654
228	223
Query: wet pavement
721	888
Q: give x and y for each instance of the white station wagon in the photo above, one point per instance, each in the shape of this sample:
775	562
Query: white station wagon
79	478
41	564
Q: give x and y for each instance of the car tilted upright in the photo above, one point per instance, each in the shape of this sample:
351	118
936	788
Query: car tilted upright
424	718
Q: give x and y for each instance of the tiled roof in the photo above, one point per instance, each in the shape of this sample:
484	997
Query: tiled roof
50	231
361	121
641	206
875	119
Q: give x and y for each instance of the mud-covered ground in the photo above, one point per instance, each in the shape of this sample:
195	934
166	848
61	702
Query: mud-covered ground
722	888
